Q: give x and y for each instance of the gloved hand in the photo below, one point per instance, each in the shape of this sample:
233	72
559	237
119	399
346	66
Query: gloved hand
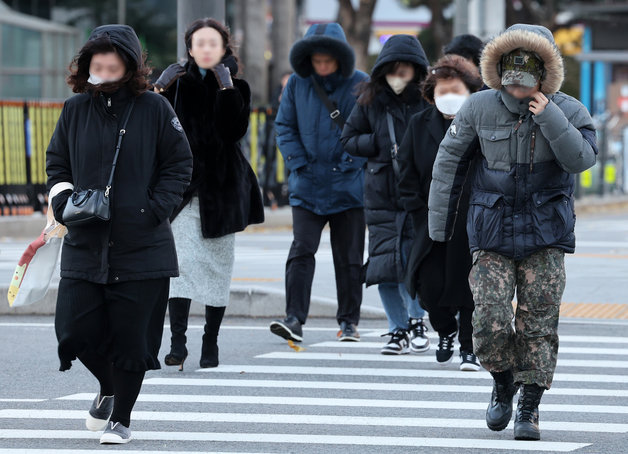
169	76
223	76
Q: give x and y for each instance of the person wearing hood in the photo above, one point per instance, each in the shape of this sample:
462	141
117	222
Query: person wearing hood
389	99
115	273
533	139
224	196
325	182
439	272
467	46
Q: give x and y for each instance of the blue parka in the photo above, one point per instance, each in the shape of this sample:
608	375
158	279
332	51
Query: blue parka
323	178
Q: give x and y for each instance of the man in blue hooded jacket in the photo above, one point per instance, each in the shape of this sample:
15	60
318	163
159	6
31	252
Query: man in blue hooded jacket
325	182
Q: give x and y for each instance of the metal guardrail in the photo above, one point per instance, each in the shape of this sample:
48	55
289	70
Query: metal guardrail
27	126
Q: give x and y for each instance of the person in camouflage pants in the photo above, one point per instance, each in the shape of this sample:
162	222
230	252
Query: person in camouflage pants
531	348
533	139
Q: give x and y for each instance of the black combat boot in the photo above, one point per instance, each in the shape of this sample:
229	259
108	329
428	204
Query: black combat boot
527	417
499	410
179	310
209	351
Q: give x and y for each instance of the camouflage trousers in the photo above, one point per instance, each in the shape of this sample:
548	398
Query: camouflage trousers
531	348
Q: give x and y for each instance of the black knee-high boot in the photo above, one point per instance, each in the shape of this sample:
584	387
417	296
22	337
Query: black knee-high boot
179	309
209	352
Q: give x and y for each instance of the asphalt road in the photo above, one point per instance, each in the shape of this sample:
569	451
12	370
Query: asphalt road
331	398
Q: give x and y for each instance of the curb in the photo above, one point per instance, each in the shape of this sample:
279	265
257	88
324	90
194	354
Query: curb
245	301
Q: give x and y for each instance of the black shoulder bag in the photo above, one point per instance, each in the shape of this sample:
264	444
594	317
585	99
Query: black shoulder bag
93	205
331	106
394	150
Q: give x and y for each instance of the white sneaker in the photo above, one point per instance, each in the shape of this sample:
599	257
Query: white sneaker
419	341
115	434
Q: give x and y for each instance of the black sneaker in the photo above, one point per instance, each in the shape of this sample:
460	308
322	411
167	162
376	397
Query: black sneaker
289	328
418	339
399	343
445	348
469	362
348	333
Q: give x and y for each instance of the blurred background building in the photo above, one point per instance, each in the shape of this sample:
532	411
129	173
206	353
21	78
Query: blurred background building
38	39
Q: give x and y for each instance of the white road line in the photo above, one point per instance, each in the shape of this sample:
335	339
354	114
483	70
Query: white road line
308	356
350	440
338	402
379	345
565	338
22	400
336	420
91	451
377	372
368	386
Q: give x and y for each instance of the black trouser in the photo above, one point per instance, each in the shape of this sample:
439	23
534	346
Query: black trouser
443	320
347	245
115	330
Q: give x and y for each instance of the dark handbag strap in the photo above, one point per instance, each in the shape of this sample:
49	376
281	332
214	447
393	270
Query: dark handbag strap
121	134
331	106
394	150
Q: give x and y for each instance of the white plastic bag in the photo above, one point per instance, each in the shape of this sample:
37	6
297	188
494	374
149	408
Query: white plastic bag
36	268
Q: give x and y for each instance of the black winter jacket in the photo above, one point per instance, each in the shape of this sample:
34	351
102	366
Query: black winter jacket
366	135
153	171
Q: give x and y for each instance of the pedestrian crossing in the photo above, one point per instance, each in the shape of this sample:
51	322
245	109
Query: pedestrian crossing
338	397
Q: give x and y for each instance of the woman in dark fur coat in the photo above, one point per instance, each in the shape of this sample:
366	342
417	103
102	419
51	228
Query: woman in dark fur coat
224	196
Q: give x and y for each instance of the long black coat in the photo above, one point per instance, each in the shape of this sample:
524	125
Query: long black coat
153	171
438	272
366	135
214	121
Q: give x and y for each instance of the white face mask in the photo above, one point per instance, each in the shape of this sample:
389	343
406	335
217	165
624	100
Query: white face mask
450	103
397	84
97	80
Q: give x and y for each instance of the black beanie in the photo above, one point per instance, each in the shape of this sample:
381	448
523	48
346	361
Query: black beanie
467	46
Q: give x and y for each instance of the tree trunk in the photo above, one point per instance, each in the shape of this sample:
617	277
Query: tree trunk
283	35
439	29
357	26
255	69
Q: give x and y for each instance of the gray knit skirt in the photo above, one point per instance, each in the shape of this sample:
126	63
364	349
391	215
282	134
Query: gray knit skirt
205	264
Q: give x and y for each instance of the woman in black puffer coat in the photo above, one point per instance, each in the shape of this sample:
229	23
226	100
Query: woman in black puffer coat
393	90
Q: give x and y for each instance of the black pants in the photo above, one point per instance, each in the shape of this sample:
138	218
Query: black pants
443	320
121	322
347	244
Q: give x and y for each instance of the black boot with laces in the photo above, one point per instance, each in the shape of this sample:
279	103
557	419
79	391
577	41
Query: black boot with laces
527	417
499	410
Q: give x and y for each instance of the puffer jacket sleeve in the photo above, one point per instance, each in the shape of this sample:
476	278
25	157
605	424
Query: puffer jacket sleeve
58	165
287	127
174	160
358	137
569	129
449	174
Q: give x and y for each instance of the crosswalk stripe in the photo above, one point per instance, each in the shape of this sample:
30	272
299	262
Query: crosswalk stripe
336	420
23	400
561	350
344	402
308	356
91	451
414	373
351	440
367	386
563	338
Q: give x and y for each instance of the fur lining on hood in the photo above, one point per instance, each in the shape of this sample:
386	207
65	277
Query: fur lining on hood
326	39
533	38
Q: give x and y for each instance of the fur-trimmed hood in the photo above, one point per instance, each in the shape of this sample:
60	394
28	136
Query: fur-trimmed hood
533	38
327	39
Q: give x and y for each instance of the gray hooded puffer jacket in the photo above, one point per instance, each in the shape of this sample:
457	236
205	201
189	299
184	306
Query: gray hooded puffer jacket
522	197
